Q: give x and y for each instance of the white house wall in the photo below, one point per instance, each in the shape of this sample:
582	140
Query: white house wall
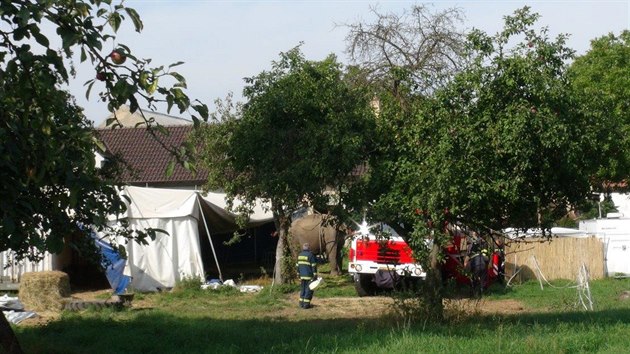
12	271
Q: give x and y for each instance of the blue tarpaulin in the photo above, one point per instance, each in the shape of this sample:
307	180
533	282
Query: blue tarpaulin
114	266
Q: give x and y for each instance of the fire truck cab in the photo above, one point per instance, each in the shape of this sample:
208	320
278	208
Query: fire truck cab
380	259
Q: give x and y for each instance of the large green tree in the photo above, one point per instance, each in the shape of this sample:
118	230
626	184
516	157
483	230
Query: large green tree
299	135
50	188
601	79
504	144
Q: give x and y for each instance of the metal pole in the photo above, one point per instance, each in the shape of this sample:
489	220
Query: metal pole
209	238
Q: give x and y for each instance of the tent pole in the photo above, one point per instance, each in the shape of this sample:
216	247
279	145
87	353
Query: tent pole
209	238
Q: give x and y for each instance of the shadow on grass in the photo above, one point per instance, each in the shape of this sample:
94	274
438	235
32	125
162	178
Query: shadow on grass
601	318
163	333
158	332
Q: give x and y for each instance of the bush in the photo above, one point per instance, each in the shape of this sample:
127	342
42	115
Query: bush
188	284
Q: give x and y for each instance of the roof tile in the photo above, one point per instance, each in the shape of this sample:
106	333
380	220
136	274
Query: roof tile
146	157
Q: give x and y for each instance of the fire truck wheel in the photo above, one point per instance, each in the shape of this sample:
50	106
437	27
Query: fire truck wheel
364	284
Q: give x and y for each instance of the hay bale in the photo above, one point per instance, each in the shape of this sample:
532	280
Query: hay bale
42	291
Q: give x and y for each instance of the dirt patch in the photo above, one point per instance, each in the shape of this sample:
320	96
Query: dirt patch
377	306
339	307
323	308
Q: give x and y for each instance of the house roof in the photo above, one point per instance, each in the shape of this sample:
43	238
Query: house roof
146	158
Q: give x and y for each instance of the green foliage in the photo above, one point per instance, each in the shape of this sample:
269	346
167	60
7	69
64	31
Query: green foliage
51	190
191	283
503	145
300	134
302	129
601	78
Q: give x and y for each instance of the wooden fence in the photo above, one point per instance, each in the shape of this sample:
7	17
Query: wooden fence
559	258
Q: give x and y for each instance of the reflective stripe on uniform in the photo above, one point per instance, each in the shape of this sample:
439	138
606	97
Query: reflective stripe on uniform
303	260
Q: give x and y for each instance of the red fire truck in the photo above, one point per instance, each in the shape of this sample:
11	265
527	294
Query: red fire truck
378	262
381	262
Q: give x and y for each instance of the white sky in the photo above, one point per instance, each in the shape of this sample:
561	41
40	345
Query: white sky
221	42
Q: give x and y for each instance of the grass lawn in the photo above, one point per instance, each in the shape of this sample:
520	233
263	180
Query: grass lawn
188	320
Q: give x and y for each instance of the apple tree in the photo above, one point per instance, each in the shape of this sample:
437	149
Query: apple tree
50	187
300	133
601	78
503	144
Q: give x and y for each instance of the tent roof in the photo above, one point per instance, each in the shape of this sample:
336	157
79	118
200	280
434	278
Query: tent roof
172	203
555	232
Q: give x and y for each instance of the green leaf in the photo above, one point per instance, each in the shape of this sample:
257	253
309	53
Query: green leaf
154	85
133	104
89	88
170	168
162	130
135	18
41	39
99	144
179	78
83	9
169	103
114	21
68	37
176	64
110	121
202	109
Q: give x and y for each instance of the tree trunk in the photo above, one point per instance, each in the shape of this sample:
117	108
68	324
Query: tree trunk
281	266
278	270
8	339
435	296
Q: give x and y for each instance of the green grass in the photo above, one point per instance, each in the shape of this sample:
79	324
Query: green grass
562	295
191	321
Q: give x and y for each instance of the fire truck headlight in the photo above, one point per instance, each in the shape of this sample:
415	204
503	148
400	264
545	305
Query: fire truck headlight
359	268
352	266
417	271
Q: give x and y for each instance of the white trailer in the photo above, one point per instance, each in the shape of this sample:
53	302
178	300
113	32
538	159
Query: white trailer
614	231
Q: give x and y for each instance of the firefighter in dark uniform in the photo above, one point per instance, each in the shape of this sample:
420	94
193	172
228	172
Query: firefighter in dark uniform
307	271
478	263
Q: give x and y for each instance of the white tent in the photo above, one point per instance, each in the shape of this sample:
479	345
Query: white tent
173	257
554	232
168	258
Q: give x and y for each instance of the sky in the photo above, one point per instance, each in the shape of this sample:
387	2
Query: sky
222	42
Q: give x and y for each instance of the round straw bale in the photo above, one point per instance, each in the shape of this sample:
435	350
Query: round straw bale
42	291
